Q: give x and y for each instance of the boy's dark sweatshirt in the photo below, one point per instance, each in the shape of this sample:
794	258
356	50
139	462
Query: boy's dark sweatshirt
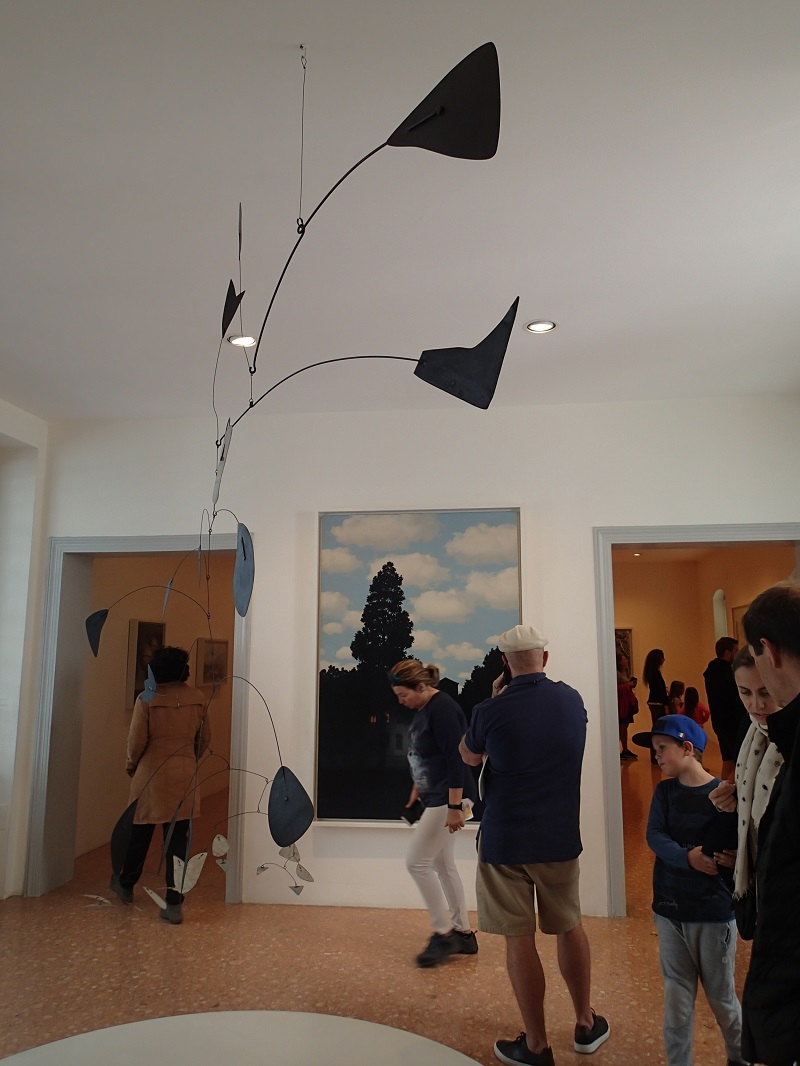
682	818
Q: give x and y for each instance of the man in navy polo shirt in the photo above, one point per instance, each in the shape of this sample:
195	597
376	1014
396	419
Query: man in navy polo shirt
532	735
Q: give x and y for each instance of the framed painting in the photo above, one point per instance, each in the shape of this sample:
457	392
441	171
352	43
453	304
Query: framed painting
439	586
211	663
143	639
623	642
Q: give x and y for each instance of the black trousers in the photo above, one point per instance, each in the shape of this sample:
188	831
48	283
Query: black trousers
141	835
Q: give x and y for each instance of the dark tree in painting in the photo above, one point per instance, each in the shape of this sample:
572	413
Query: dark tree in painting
385	636
479	685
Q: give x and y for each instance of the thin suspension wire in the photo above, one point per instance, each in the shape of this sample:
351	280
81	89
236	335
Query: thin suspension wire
304	64
301	233
323	362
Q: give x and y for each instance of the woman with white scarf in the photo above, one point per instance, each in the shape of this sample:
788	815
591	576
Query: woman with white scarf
757	767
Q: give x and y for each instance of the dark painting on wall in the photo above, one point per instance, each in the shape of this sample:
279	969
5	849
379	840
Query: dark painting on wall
439	586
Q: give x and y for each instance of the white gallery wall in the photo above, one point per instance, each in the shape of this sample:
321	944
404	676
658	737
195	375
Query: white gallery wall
568	469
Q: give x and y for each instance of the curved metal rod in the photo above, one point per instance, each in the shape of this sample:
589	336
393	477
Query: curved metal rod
302	227
323	362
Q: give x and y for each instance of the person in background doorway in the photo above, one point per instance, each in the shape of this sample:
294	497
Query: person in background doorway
657	698
675	696
627	705
728	717
167	736
693	708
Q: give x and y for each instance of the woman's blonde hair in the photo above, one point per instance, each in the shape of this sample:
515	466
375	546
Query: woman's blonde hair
410	672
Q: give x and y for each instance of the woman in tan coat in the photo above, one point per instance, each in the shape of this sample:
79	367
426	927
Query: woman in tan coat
165	741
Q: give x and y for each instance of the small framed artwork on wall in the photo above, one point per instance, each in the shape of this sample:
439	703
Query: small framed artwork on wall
143	639
623	641
211	664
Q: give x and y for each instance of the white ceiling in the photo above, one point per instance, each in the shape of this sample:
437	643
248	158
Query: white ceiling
645	196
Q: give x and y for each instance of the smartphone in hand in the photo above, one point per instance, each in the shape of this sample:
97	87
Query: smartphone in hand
412	814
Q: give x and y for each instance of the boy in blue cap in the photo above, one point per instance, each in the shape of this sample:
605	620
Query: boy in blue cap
692	902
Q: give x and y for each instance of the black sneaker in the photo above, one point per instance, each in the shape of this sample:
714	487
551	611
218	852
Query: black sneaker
438	949
516	1051
116	886
466	943
589	1040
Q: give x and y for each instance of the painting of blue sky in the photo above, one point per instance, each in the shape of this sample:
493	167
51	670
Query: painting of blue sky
460	573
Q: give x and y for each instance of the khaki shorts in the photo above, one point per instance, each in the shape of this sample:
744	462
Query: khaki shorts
509	897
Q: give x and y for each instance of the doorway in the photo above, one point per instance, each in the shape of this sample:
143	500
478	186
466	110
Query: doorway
679	569
84	703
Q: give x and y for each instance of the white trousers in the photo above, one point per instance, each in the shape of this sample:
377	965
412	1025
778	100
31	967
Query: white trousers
431	862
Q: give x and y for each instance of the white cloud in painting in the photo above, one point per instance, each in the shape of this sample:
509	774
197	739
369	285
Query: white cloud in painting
333	604
425	640
417	569
386	531
492	641
499	590
344	653
352	619
332	627
338	561
449	605
463	652
464	676
483	543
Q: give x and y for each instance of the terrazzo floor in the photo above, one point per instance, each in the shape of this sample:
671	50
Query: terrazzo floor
68	968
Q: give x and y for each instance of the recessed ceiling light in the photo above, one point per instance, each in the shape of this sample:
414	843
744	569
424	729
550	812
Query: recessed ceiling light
540	326
241	341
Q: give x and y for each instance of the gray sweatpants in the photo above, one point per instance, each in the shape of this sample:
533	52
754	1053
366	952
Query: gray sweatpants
686	951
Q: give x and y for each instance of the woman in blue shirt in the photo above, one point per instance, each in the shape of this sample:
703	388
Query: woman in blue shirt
439	777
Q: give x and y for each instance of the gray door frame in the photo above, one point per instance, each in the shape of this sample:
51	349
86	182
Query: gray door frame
605	537
60	548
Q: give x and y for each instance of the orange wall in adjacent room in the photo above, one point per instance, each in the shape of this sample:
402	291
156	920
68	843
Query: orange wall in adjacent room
668	605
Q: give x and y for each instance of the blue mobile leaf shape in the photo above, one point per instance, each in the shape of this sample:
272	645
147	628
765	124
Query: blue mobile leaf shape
94	627
471	374
461	116
232	301
290	811
150	687
167	591
223	455
244	572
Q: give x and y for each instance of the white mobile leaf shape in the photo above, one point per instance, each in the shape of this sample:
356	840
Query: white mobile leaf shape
263	867
155	896
290	852
223	865
297	889
186	880
303	873
219	846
